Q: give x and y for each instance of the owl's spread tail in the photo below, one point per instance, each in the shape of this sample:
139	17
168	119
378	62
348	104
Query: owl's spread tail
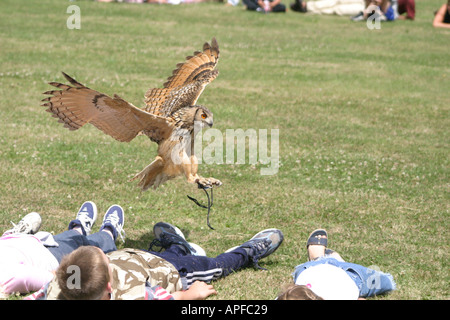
152	175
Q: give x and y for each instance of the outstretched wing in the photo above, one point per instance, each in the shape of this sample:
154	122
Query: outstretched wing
77	105
187	82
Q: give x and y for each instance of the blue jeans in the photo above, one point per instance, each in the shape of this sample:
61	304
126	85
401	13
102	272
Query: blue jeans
369	282
71	240
192	268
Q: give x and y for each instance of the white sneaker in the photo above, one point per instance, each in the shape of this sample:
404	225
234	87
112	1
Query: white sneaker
199	251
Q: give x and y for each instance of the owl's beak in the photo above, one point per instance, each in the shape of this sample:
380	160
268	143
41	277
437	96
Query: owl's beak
209	122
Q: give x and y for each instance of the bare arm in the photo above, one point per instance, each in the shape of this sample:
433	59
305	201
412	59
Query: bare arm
198	291
274	3
439	18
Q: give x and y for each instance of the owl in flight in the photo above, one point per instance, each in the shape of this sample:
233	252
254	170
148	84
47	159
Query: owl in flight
167	118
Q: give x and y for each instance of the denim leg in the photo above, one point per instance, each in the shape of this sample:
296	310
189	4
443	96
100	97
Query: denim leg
71	240
370	282
102	240
192	268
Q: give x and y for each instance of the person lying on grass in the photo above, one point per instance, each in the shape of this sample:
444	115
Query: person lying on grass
326	276
181	271
28	257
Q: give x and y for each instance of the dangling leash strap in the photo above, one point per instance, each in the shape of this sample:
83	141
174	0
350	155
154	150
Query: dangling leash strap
210	203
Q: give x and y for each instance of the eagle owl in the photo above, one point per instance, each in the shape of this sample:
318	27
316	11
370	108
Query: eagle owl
167	118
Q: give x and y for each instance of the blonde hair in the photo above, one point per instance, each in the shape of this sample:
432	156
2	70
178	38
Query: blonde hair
298	292
83	274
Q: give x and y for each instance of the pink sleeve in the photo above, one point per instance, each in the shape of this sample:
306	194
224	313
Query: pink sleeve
22	278
157	293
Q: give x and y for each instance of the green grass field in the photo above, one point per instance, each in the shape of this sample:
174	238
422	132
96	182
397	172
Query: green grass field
363	119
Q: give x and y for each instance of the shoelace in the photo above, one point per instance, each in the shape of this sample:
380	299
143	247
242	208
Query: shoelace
155	242
83	216
21	227
167	240
113	219
259	249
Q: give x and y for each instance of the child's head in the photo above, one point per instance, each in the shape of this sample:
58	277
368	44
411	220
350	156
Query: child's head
298	292
84	274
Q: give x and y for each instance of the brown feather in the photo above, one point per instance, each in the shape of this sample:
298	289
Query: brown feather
186	83
167	119
76	106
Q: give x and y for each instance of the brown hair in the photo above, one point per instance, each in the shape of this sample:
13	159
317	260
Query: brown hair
298	292
83	274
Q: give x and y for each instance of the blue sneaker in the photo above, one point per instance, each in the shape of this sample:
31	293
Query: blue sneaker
114	220
85	218
261	245
167	235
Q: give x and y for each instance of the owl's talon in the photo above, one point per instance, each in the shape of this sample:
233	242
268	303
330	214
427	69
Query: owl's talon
204	183
215	182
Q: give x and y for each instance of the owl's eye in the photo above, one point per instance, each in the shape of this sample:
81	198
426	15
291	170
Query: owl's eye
203	115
